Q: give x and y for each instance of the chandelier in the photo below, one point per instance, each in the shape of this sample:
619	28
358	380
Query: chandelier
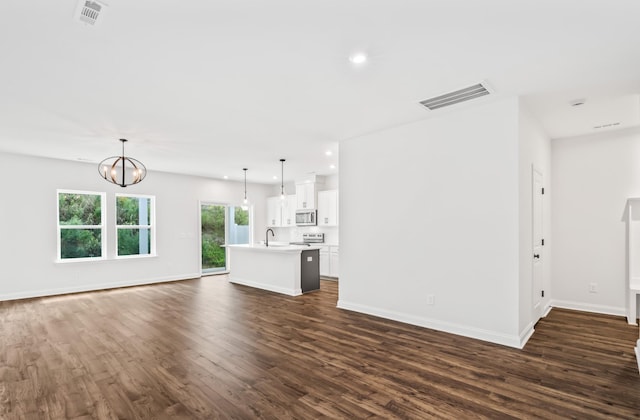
122	170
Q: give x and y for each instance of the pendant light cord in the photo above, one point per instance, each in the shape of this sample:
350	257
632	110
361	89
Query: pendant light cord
245	185
282	178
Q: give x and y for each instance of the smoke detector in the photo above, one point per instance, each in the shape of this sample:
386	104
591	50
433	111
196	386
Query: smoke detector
578	102
89	11
456	97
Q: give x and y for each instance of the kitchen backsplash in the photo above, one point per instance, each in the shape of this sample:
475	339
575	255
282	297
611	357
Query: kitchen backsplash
295	234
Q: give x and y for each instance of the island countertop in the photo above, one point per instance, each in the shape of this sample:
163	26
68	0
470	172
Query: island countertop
279	267
275	247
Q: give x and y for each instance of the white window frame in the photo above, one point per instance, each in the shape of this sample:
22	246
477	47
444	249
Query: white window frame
101	226
151	226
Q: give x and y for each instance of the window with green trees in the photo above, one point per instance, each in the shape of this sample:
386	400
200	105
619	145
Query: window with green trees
135	225
81	220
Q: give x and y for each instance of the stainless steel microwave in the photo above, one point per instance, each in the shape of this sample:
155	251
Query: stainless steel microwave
306	217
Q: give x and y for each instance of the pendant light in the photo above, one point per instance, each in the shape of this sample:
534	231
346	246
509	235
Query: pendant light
245	201
282	194
122	170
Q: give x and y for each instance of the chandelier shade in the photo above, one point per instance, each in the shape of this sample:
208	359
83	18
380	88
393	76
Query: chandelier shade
122	170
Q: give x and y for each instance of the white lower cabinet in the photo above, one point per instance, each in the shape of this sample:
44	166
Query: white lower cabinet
324	261
329	261
334	261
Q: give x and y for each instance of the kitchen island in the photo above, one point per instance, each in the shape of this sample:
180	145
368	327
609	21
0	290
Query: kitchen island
288	269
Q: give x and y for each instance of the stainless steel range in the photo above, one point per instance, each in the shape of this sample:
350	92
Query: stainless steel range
310	239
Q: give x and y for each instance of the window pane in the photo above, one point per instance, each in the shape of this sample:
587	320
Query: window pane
241	216
134	242
80	243
133	211
79	209
238	226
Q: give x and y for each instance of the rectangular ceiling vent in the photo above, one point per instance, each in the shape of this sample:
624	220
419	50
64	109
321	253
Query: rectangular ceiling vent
89	11
452	98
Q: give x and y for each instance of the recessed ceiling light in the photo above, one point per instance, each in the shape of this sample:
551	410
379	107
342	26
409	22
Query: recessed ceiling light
358	58
332	166
226	177
275	177
328	153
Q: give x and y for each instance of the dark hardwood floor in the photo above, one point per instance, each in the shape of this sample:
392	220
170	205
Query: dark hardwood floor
208	349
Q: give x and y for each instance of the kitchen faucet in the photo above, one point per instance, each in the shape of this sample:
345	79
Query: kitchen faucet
266	241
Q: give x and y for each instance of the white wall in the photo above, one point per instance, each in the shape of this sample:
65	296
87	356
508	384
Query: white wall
592	178
28	226
535	150
433	208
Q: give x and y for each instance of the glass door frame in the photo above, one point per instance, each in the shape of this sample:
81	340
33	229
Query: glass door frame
227	208
225	270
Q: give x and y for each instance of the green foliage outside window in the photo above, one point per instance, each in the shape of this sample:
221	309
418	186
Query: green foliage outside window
214	233
129	241
128	209
80	210
213	237
241	216
133	241
80	243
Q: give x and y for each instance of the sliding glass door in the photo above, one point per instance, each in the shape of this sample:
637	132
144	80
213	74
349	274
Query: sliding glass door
222	225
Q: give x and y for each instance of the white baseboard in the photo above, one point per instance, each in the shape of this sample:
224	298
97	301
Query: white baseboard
93	287
588	307
526	334
269	287
463	330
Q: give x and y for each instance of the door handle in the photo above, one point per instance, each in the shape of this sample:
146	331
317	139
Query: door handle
536	255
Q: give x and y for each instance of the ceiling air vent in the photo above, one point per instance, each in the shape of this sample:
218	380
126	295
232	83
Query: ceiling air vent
456	97
89	11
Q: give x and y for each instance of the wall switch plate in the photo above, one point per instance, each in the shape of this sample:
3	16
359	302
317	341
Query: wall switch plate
431	300
593	287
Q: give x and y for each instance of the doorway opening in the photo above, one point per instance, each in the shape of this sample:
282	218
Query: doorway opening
537	197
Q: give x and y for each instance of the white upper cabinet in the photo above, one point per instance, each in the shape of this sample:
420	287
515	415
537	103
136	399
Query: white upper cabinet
306	196
274	212
328	208
289	211
281	213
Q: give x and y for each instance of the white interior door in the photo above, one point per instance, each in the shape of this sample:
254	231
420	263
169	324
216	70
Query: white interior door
538	240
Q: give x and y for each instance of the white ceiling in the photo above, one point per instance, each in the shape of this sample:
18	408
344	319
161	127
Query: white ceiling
207	87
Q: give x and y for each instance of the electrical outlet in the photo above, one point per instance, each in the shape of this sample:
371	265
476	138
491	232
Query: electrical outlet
593	287
431	300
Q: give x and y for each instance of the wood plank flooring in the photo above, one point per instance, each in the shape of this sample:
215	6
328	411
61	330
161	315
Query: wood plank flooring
204	348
